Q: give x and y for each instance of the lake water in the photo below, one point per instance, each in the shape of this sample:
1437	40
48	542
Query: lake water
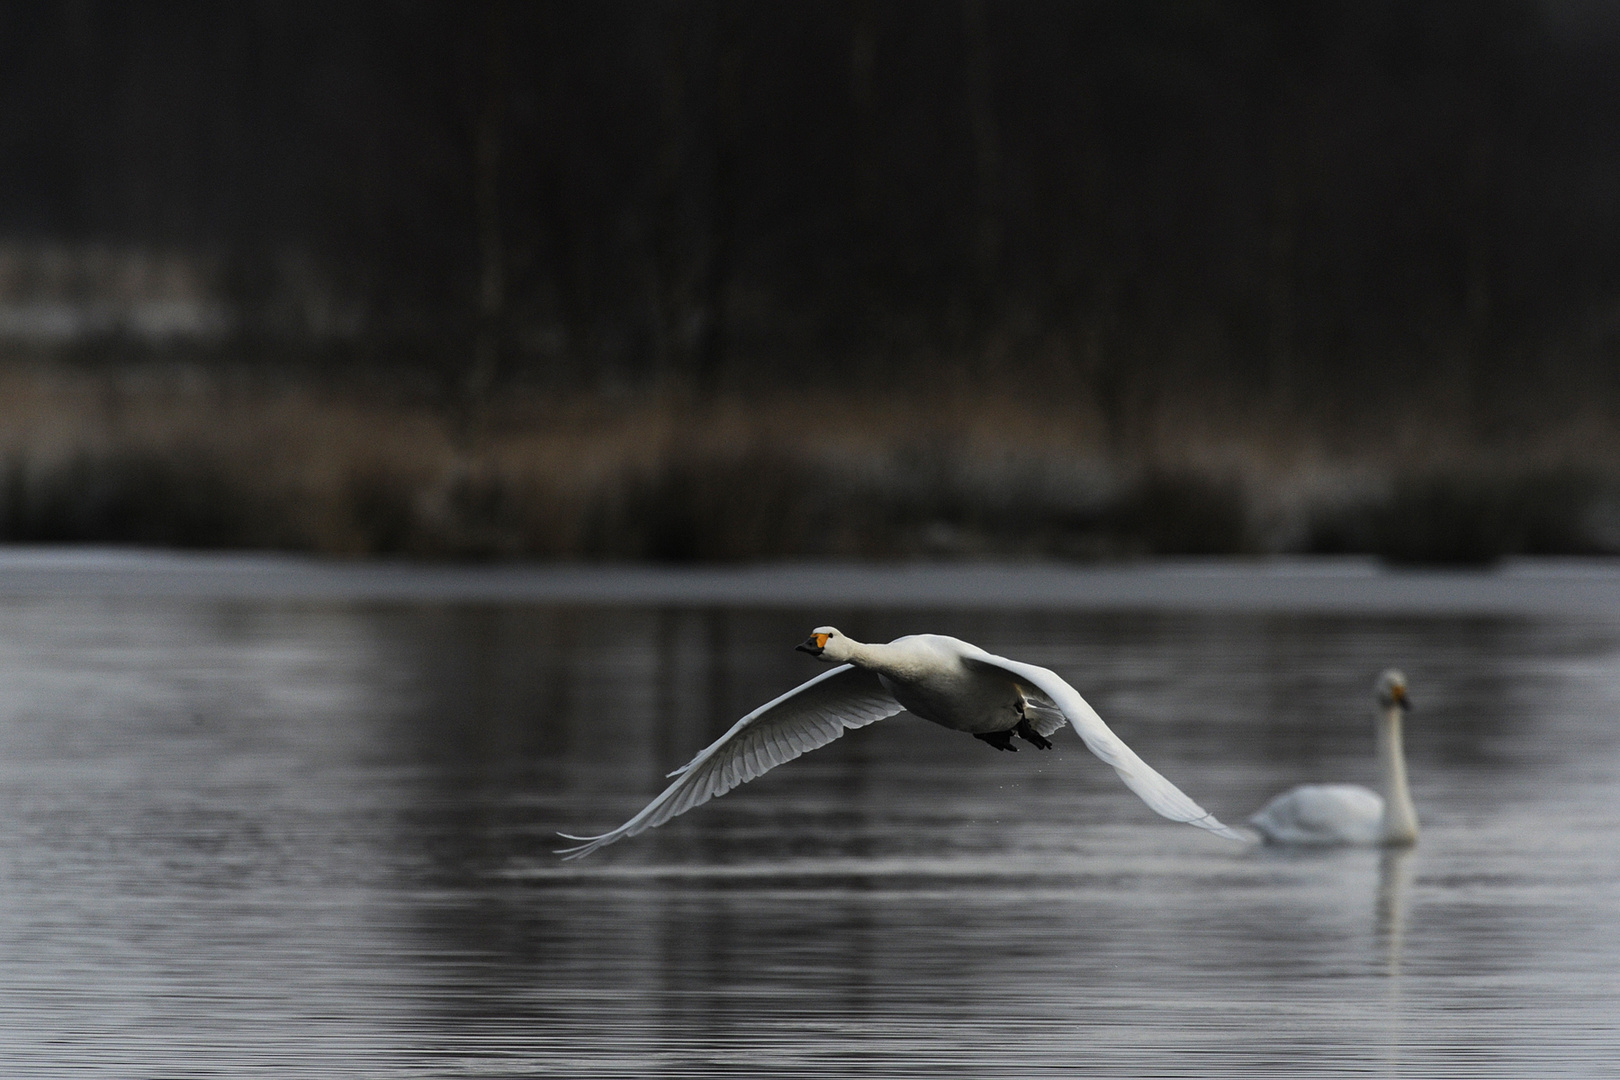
261	818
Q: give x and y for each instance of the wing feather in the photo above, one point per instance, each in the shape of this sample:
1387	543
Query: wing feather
1163	797
1044	718
803	719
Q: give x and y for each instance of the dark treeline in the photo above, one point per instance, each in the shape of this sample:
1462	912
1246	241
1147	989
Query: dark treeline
1305	204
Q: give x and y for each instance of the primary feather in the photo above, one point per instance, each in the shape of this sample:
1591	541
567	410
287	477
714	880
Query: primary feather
805	718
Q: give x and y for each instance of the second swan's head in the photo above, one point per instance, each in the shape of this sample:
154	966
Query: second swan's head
826	643
1391	690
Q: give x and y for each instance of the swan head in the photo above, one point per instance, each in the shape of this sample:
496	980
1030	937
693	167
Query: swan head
826	643
1391	690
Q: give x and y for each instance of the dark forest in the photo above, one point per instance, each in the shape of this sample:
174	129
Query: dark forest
1320	238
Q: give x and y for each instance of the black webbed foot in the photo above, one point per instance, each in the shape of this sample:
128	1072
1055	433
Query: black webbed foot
1030	735
1001	740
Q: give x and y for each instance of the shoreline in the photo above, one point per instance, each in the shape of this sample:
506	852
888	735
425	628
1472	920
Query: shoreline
1241	585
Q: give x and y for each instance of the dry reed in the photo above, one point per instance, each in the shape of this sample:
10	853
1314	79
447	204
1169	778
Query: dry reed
178	459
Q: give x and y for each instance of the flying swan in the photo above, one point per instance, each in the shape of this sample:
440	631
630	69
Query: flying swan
1347	813
950	682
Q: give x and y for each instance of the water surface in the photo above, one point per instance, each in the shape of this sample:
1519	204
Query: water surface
307	833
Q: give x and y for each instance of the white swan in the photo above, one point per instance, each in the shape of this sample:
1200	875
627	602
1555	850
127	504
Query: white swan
1347	813
950	682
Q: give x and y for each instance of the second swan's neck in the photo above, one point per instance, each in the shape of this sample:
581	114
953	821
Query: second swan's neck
1400	816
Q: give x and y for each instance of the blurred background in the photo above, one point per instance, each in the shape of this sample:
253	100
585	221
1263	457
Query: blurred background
718	281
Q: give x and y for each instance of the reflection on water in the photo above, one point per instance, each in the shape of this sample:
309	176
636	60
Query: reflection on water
312	838
1394	882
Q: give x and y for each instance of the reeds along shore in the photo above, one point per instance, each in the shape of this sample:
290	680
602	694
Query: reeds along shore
187	461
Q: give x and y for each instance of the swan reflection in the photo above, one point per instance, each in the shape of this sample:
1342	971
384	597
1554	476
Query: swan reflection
1394	887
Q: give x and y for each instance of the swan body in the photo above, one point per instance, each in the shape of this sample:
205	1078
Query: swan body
1347	814
941	679
1323	814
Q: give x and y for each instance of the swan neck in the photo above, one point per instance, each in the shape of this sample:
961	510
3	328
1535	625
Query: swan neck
1400	816
880	659
863	656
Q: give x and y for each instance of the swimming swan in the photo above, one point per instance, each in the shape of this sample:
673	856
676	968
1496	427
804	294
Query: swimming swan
1347	813
952	683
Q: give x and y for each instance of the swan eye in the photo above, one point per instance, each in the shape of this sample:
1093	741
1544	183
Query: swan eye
821	641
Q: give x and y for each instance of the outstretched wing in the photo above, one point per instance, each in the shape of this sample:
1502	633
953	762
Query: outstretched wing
1161	795
803	719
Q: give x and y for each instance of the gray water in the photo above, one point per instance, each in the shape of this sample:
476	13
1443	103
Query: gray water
287	831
